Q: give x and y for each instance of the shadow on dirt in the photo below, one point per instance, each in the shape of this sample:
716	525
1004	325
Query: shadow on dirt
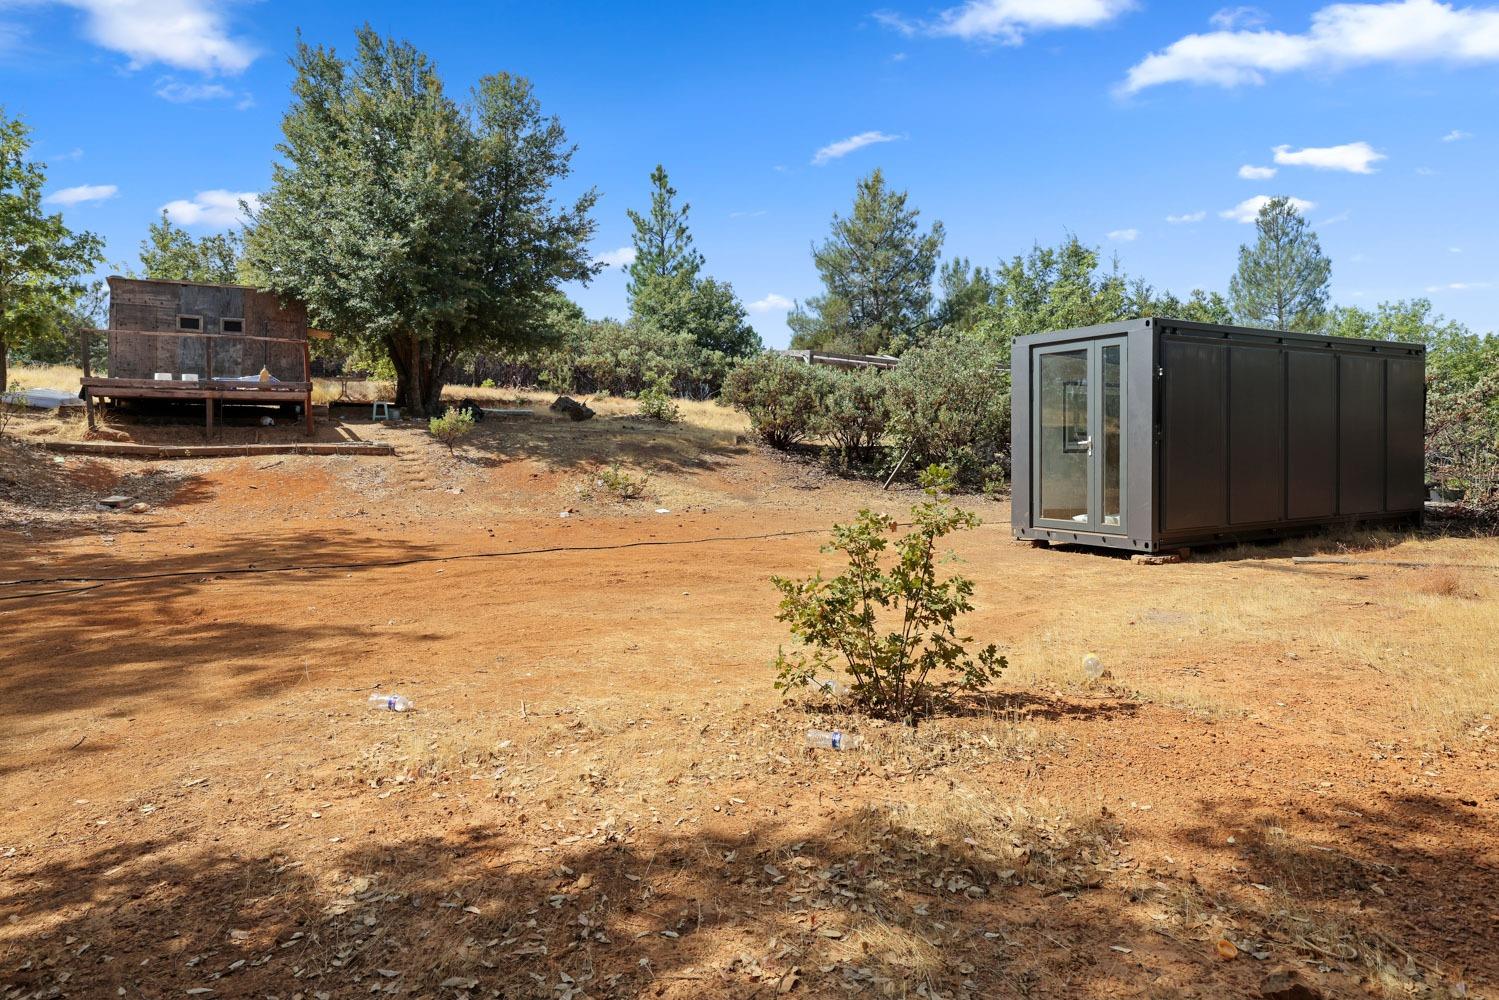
1028	706
571	446
1382	889
868	900
78	640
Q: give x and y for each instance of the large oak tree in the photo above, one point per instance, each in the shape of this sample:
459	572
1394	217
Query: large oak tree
412	226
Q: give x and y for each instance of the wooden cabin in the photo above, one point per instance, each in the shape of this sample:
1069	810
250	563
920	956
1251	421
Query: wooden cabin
191	342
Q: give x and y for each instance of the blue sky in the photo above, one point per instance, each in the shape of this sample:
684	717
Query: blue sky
1012	121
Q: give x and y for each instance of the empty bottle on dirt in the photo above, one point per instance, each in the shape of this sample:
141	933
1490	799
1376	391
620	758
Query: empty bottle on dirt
833	739
390	702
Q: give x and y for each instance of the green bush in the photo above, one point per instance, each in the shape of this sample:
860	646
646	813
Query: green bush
10	403
657	403
840	620
855	412
782	397
453	426
620	484
1462	441
949	404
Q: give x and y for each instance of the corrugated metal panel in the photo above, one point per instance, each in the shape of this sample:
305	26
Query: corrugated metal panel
1405	444
1256	435
1311	435
1361	446
1194	480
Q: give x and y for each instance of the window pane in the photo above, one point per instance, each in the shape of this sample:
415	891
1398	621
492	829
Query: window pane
1112	435
1064	444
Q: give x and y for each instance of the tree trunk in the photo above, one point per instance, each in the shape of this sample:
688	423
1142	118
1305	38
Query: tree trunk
418	375
4	363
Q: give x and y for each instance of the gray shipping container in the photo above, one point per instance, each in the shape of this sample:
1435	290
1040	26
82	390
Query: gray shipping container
1157	434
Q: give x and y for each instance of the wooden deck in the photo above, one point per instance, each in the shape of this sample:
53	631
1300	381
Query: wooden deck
212	394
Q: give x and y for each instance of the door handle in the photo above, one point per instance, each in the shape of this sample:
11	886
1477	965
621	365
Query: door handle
1087	442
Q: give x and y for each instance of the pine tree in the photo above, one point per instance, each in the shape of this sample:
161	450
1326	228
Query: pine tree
876	270
666	263
667	289
1282	280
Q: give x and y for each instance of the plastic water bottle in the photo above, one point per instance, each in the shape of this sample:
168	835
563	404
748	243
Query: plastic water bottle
828	686
389	702
1092	666
833	740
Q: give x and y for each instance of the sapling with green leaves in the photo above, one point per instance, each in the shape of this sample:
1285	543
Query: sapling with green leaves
892	630
452	427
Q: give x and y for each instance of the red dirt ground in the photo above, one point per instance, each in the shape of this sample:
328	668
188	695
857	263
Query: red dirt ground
599	793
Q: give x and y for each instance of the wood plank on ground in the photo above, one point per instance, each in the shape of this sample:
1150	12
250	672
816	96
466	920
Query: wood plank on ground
123	449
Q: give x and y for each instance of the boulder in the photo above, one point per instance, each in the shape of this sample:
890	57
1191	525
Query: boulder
574	409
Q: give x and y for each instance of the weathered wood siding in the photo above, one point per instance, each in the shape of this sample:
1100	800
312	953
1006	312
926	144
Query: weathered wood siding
153	306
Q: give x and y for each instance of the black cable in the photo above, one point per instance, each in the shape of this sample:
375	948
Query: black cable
382	564
49	593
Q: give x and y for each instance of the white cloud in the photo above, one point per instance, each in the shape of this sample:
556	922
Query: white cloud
11	36
174	90
1252	173
82	194
1124	235
747	215
1457	135
1460	286
623	257
1454	249
1177	220
1333	220
843	147
187	34
1425	172
1340	35
1249	209
771	303
1009	21
1230	18
1354	157
218	208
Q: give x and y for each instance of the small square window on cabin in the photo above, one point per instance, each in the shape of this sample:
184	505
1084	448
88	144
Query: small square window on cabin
194	323
232	325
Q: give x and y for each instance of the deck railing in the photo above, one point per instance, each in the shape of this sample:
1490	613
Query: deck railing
143	353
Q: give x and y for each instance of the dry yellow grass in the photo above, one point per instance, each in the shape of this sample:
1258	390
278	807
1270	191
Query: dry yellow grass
64	378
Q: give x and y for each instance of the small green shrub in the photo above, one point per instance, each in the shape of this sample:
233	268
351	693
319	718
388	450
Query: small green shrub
10	404
620	484
487	384
840	620
657	403
453	426
855	412
781	396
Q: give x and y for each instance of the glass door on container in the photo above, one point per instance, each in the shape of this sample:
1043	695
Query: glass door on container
1078	436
